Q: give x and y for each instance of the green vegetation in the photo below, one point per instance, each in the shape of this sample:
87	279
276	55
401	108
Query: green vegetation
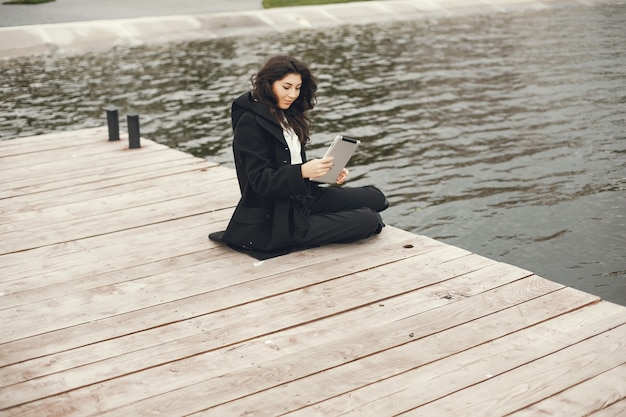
284	3
26	1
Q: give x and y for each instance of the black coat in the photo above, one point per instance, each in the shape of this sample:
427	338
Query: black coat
269	210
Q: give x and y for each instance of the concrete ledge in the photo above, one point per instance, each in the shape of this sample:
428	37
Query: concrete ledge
231	24
22	40
77	37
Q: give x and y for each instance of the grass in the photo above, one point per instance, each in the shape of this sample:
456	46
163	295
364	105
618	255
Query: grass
284	3
26	1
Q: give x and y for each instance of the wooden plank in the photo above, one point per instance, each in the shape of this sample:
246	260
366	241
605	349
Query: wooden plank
62	262
142	352
61	143
104	158
93	256
172	323
201	178
75	229
249	275
444	369
92	171
345	387
44	196
125	197
109	163
98	154
536	380
48	293
55	140
617	409
586	398
181	391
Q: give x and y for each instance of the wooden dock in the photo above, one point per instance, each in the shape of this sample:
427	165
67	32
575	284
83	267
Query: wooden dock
114	302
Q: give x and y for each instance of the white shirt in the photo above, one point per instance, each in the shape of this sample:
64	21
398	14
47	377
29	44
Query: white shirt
294	145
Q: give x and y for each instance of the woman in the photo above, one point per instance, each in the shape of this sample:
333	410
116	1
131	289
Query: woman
280	208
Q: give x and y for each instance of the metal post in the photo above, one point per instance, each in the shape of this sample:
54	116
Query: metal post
133	131
113	123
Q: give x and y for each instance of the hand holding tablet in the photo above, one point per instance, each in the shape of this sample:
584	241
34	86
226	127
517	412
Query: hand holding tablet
341	149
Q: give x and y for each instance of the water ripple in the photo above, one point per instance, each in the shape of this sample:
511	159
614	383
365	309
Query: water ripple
500	133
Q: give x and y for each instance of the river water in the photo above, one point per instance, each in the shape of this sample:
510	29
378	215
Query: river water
501	133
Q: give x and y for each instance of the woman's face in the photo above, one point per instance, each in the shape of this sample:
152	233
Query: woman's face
286	90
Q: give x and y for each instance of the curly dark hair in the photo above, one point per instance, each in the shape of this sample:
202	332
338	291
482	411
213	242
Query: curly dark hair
296	116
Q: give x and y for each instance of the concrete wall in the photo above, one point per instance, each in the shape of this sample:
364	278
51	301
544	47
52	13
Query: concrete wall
77	37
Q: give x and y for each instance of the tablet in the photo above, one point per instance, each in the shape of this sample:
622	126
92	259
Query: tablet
341	149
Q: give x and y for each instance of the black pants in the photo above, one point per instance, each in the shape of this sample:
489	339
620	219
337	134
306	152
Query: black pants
342	215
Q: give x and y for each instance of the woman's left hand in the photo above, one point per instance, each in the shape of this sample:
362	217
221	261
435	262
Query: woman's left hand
342	176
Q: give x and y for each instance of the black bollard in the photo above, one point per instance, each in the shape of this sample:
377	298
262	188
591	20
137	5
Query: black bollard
133	131
113	123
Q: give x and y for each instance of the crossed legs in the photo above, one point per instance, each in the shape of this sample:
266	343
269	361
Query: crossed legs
341	215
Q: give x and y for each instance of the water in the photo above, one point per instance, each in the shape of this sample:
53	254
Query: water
499	133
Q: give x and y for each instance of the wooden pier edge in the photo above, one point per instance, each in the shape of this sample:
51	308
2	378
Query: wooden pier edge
114	302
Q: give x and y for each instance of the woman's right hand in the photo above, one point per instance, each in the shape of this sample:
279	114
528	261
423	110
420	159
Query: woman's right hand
316	167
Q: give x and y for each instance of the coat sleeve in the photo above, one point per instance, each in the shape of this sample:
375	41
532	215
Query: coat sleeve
255	152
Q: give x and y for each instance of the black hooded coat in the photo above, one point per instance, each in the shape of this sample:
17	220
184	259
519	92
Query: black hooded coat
269	210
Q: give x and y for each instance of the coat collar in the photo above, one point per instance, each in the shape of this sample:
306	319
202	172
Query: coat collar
246	103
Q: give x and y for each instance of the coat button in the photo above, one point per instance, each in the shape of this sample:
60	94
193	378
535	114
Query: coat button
268	216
